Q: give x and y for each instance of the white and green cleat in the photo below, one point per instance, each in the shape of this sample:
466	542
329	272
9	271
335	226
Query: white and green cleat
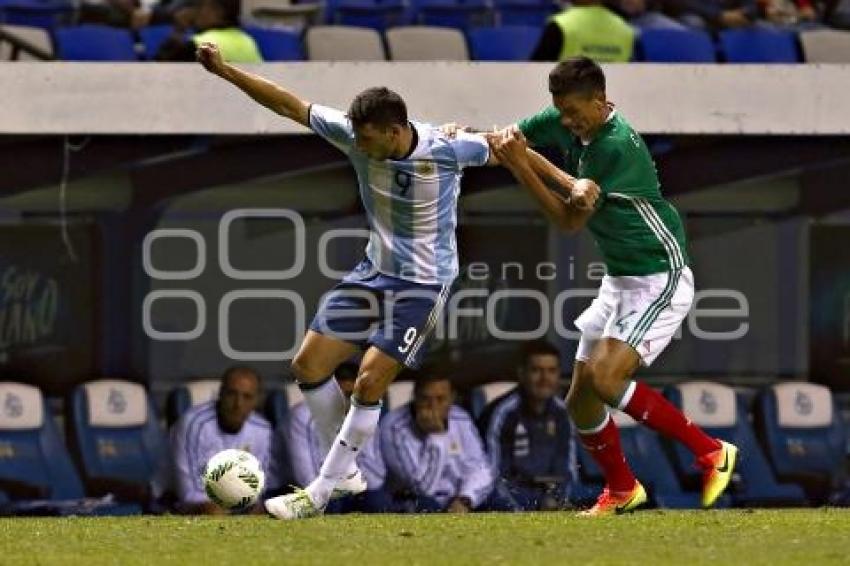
291	506
355	484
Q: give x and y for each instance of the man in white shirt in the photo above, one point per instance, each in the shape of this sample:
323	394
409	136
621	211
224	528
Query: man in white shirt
433	453
206	429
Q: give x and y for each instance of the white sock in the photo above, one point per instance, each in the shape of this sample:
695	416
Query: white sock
328	406
358	428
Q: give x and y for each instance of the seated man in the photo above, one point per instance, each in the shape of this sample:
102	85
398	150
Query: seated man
434	457
645	14
716	15
306	452
206	429
529	437
589	28
215	21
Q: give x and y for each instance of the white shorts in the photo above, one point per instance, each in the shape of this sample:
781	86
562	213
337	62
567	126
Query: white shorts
644	311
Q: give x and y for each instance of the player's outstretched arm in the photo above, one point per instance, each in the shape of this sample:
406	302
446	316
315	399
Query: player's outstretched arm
267	93
569	214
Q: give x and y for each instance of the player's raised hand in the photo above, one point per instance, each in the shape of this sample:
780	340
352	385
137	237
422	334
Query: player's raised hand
210	57
510	147
584	194
451	129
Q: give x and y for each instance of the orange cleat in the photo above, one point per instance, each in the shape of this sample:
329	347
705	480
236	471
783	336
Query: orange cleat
615	503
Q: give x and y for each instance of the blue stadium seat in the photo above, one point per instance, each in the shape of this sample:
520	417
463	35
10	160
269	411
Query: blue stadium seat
677	46
461	14
803	435
46	14
114	431
524	12
94	43
507	43
278	44
33	456
759	45
280	401
480	397
186	396
718	409
31	448
153	37
375	14
645	454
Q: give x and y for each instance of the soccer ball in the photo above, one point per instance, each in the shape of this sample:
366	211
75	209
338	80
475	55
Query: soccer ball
234	479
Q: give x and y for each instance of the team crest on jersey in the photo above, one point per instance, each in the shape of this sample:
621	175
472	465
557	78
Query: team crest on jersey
424	168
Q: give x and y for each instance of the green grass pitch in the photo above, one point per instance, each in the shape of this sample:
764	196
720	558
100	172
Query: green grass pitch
799	537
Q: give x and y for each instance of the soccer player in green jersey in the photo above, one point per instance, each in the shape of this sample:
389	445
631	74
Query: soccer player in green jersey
648	288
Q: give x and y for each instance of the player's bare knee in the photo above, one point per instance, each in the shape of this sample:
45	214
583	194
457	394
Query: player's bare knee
369	387
606	380
304	371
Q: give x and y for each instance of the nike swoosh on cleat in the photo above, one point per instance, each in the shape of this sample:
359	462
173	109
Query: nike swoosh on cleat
725	467
627	503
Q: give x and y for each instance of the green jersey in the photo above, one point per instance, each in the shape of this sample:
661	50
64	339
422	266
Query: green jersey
636	229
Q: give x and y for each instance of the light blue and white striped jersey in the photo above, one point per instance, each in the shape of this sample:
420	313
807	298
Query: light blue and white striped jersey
411	204
441	466
196	437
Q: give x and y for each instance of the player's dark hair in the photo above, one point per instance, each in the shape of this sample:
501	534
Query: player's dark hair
576	75
233	370
230	11
426	377
537	348
378	106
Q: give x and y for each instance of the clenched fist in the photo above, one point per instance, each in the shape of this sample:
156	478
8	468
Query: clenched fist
209	56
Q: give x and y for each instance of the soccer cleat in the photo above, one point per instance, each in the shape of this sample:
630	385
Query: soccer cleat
297	505
718	466
615	503
355	484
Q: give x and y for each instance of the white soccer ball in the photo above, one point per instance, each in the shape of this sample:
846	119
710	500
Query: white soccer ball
234	479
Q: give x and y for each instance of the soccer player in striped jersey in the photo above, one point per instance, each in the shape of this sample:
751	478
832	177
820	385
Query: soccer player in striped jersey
648	289
409	175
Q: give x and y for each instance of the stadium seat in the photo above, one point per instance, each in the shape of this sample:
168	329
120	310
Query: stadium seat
152	39
36	461
94	43
803	435
45	14
280	12
423	43
507	43
533	13
481	396
759	45
344	43
37	37
677	46
645	454
114	432
278	44
825	46
719	410
460	14
182	398
376	14
31	448
280	401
